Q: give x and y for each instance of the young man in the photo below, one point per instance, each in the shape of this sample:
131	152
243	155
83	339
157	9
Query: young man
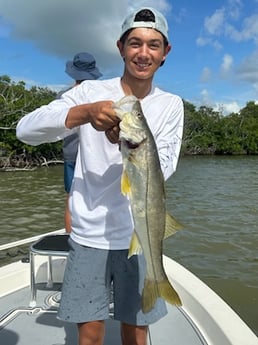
101	220
83	67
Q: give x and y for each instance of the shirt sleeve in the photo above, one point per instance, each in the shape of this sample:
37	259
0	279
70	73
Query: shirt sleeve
47	123
170	139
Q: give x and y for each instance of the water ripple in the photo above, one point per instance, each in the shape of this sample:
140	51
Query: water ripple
216	198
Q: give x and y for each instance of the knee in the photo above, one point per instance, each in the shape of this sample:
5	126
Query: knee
91	333
134	335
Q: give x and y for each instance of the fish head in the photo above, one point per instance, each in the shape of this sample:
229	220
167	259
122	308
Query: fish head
133	123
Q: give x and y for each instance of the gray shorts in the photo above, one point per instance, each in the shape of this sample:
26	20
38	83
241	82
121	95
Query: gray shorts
87	284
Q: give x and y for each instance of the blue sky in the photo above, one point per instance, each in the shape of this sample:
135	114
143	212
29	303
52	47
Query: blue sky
213	62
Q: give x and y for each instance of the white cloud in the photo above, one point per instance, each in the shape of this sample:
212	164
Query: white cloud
4	29
64	27
203	41
249	30
227	22
31	83
205	75
227	108
60	28
234	10
180	16
221	106
255	86
226	65
205	97
214	23
248	69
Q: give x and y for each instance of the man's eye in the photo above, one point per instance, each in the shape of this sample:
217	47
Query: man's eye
154	46
135	44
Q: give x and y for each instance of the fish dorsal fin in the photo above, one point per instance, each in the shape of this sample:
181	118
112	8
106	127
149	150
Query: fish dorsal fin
172	226
125	184
135	247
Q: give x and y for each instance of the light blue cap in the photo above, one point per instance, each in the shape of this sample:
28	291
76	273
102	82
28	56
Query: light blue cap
160	24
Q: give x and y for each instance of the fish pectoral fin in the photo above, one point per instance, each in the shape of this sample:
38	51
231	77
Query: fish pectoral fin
125	184
135	247
172	226
153	289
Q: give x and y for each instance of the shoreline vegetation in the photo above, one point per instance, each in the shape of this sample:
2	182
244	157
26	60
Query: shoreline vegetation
206	131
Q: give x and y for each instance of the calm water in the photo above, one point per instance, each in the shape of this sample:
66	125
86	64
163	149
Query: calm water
216	198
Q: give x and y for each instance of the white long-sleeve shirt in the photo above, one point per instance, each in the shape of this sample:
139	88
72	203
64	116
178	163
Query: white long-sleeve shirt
101	216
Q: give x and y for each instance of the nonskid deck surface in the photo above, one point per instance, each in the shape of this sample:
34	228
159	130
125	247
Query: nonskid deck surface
22	325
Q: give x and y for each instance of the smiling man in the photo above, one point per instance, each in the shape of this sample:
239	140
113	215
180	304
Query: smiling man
102	223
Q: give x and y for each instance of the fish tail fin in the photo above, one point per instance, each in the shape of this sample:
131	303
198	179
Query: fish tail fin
168	293
152	290
149	295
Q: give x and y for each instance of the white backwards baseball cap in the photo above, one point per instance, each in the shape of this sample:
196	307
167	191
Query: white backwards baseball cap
160	23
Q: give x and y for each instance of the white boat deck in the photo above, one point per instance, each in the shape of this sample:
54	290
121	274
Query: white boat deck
24	325
204	319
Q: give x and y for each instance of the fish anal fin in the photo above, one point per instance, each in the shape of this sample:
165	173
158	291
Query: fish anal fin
172	226
135	247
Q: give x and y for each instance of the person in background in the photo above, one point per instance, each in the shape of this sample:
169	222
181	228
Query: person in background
83	67
102	223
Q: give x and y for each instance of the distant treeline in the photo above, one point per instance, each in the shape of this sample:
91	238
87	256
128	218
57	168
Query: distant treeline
206	132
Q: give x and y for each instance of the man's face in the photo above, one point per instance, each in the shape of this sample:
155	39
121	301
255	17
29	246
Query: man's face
143	52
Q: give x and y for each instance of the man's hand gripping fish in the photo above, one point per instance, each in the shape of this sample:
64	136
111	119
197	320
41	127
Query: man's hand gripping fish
143	183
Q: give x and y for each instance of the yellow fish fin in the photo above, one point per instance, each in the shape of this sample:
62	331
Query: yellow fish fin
125	184
135	247
152	290
172	226
168	293
149	295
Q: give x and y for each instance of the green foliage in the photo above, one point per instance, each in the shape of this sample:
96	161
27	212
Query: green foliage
205	131
200	130
15	102
209	132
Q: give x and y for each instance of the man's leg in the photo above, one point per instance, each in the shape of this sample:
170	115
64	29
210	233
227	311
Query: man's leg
91	333
134	335
85	292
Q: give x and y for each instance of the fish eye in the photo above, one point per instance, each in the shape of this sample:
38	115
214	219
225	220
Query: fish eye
131	145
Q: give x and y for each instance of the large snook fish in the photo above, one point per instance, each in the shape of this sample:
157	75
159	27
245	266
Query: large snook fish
142	181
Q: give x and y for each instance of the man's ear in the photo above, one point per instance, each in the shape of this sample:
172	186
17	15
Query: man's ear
120	47
167	50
